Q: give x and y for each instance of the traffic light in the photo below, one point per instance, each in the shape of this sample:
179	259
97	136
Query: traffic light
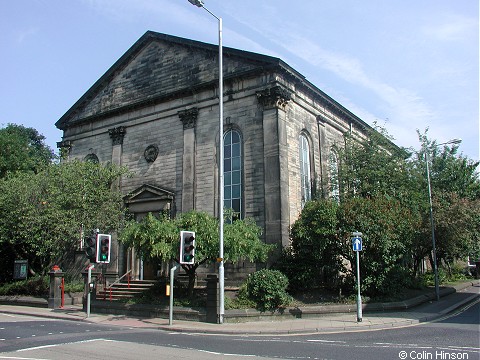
187	247
104	242
91	248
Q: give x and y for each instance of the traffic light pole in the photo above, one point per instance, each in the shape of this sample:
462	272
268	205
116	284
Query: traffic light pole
89	290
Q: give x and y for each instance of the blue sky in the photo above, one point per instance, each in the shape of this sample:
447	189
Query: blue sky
406	64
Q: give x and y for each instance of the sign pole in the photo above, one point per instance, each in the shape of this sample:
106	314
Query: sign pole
359	296
357	247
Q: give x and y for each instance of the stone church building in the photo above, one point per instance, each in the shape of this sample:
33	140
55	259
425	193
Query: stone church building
156	111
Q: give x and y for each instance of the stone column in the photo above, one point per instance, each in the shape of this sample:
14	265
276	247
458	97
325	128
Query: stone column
277	214
189	120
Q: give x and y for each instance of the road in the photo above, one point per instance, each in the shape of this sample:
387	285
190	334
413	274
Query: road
24	337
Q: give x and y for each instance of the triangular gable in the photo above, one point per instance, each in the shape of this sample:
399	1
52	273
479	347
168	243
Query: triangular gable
147	193
160	66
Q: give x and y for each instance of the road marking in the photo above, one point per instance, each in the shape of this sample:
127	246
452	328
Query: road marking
67	343
224	354
327	341
19	358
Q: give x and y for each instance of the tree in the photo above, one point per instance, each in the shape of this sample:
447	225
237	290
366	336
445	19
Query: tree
373	166
158	238
456	226
321	251
23	149
388	230
449	171
314	256
43	215
455	188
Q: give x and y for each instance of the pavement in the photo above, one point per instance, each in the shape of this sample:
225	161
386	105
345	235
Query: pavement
465	294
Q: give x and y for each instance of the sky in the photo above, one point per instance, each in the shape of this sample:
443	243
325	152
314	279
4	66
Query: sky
402	64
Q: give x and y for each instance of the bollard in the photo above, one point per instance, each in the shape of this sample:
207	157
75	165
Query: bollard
212	298
55	294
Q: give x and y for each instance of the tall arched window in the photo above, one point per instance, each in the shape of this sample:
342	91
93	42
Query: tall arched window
334	177
232	172
304	157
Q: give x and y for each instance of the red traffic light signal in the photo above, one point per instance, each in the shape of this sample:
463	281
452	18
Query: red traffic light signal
104	242
187	247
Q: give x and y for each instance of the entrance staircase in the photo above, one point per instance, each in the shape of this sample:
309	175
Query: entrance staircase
124	289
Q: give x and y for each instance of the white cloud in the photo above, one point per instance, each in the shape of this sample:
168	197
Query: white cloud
25	34
452	28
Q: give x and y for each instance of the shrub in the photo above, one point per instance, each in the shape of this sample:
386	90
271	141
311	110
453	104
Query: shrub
36	286
74	286
267	289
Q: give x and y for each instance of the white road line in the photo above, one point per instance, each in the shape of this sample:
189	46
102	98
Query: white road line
327	341
19	358
224	354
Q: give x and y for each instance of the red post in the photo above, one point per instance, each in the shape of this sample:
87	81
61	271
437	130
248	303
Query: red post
128	280
62	286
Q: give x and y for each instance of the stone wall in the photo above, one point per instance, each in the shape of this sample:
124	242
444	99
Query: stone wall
163	95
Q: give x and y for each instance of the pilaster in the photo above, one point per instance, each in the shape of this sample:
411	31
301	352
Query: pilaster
277	213
189	120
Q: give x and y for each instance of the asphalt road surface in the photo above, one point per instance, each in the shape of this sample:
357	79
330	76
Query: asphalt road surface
24	337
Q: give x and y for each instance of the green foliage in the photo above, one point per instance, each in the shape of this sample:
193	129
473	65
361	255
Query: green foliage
373	167
42	215
158	238
36	286
315	251
388	229
455	188
321	252
74	286
267	289
241	301
456	226
22	149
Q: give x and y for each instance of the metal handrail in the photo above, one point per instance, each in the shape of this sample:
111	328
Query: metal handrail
127	274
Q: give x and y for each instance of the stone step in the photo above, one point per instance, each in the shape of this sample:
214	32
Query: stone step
124	290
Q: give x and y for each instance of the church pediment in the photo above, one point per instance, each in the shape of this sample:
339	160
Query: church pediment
160	66
146	193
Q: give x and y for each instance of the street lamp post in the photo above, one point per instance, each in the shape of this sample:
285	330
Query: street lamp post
432	223
221	277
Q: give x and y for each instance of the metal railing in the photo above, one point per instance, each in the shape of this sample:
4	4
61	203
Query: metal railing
109	289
